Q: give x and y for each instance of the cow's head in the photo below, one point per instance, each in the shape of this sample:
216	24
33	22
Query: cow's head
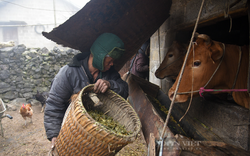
172	62
207	56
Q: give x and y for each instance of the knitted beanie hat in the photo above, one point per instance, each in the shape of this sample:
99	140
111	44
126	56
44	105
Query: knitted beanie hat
106	44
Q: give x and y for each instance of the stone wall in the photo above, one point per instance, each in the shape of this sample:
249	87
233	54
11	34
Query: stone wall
24	70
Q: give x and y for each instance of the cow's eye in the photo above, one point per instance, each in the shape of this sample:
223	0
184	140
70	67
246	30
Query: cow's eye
170	55
197	63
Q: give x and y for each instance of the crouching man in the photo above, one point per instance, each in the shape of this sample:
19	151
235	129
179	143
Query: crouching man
95	68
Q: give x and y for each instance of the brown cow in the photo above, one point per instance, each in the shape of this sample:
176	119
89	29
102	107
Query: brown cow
208	55
172	63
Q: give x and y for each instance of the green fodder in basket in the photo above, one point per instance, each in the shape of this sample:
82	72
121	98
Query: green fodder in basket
109	123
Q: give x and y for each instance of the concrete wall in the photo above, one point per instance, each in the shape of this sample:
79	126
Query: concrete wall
158	51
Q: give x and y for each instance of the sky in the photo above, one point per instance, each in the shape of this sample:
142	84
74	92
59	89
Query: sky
79	3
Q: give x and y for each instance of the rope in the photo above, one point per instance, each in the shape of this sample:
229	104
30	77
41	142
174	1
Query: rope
226	15
181	73
226	12
224	49
224	90
220	90
202	89
191	99
238	69
248	83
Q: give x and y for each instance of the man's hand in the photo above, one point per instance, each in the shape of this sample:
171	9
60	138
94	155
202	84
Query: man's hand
53	141
101	86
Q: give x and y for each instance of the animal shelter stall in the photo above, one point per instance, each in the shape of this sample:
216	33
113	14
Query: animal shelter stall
211	126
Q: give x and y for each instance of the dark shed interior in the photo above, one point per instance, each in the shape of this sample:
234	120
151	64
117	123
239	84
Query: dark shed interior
235	32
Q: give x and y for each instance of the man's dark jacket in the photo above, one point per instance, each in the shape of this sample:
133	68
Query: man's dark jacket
70	80
140	63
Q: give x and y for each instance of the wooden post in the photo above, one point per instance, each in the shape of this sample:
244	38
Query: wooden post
151	145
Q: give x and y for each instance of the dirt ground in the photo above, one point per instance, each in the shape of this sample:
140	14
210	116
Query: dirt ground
30	140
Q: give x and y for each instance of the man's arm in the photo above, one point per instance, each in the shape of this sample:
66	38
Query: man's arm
117	84
56	104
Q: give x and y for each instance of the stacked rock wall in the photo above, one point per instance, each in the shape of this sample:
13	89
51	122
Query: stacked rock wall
23	70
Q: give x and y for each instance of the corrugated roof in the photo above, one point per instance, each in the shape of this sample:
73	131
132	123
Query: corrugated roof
134	21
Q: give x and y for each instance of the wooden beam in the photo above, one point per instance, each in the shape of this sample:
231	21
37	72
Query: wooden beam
151	146
211	19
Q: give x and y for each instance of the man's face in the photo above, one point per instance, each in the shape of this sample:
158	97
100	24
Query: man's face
108	62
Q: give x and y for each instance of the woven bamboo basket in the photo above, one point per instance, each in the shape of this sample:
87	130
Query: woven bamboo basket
80	134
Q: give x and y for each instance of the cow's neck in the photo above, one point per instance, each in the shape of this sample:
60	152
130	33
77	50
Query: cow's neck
225	76
230	66
229	69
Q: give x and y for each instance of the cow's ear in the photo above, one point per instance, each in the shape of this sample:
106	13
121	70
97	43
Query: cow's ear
216	51
205	38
